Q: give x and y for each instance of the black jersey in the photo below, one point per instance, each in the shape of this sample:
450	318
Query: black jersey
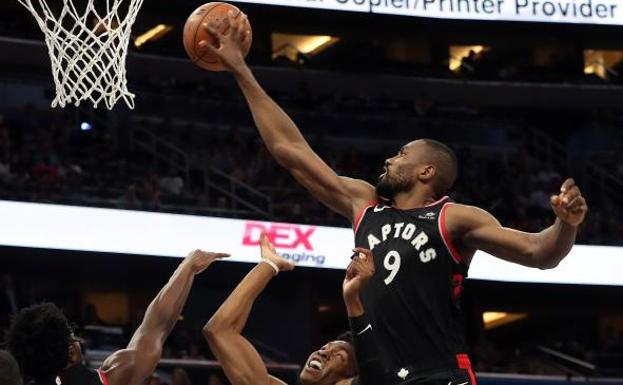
413	299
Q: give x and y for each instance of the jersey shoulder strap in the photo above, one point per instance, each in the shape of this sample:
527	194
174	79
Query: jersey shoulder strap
362	212
102	376
445	234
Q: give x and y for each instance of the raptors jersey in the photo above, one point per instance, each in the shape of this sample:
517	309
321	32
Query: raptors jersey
413	299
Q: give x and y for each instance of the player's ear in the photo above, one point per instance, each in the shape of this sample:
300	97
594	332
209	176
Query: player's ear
426	173
74	357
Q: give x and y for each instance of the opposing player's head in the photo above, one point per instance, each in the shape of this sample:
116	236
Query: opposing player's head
333	362
9	371
41	341
426	162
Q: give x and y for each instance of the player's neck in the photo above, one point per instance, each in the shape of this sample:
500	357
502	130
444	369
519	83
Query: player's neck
413	200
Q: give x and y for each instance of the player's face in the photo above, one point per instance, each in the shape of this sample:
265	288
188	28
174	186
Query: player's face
399	171
333	362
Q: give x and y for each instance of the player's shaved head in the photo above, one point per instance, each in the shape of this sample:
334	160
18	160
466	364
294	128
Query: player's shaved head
446	165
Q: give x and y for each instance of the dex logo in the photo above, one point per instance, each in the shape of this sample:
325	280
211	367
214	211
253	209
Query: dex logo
282	235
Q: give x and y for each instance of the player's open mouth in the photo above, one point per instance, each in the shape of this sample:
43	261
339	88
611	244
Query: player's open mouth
314	365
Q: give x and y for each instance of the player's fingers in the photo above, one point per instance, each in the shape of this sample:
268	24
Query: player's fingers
555	200
245	36
212	27
579	205
567	185
367	253
208	46
580	209
351	271
357	263
569	203
221	255
264	240
570	195
242	23
232	24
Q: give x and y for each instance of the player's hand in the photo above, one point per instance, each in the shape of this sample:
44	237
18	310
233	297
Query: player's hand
360	270
570	205
269	252
199	260
231	35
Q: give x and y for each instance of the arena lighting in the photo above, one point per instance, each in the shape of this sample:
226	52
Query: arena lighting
601	62
47	226
459	52
153	34
493	319
86	126
285	44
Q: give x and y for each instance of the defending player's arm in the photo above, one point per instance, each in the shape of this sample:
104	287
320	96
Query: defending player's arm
132	365
360	270
476	229
345	196
240	361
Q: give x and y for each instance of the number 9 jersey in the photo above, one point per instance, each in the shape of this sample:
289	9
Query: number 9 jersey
412	301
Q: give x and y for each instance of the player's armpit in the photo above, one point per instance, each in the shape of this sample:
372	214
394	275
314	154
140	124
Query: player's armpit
130	366
475	229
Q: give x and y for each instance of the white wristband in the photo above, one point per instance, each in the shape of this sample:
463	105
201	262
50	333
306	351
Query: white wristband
271	264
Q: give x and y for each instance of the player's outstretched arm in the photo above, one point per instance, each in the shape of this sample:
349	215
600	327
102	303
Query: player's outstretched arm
478	230
241	363
132	365
285	142
358	273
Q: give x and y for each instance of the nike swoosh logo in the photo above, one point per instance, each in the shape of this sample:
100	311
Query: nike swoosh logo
369	327
464	383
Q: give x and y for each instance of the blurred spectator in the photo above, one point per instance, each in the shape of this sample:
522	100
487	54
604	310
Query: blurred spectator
194	352
8	300
154	379
180	377
149	190
129	200
172	185
216	379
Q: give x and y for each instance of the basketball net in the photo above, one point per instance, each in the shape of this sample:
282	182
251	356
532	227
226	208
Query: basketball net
88	62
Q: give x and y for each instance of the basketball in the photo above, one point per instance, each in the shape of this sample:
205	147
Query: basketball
194	32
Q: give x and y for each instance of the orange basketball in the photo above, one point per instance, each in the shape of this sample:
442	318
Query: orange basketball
195	33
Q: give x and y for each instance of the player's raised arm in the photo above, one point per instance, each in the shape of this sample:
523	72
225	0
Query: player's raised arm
132	365
285	142
240	361
475	229
358	273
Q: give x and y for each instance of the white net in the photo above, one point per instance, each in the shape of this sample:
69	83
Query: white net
88	46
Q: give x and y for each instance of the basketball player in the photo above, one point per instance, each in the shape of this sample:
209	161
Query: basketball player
423	242
42	341
332	364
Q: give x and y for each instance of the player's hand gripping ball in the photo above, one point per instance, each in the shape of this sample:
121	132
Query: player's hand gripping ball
214	28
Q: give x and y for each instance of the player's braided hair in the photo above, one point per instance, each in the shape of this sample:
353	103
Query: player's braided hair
39	339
